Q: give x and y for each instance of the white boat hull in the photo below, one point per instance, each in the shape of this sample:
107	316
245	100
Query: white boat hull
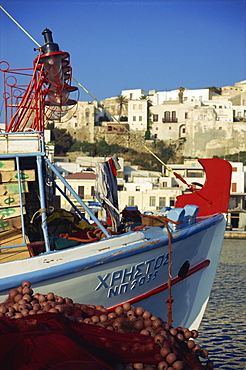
131	267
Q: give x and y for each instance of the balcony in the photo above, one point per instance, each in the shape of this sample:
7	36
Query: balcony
169	120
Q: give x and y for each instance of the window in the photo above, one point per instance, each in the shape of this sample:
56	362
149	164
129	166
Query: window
92	191
152	201
194	173
170	127
234	187
75	125
173	116
166	116
134	118
164	184
234	169
134	106
140	106
183	130
162	202
186	115
172	201
87	113
130	201
130	95
81	191
140	118
155	117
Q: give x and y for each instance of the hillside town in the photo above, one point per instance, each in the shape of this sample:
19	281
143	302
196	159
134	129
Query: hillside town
199	123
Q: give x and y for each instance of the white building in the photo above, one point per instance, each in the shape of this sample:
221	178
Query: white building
138	114
134	94
194	95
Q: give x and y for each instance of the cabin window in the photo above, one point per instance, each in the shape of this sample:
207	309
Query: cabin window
81	192
131	201
152	201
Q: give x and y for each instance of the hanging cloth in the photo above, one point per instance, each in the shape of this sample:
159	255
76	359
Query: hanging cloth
106	190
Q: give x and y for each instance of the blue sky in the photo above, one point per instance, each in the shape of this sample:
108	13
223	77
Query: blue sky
117	45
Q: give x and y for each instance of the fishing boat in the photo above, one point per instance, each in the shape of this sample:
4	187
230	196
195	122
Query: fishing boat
165	263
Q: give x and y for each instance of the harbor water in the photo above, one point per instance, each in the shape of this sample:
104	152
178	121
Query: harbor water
223	328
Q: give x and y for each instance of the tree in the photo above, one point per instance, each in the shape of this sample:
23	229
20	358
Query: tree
181	94
166	152
122	103
62	140
147	133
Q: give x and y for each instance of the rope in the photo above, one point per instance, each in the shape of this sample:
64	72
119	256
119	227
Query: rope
38	212
20	26
117	120
79	84
169	299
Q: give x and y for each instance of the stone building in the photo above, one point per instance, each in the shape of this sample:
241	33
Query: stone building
208	121
81	121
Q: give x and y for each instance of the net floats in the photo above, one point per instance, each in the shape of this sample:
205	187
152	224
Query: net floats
172	348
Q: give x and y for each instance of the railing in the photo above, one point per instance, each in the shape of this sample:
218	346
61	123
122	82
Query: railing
169	120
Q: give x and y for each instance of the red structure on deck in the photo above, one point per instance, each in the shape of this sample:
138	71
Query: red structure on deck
46	97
